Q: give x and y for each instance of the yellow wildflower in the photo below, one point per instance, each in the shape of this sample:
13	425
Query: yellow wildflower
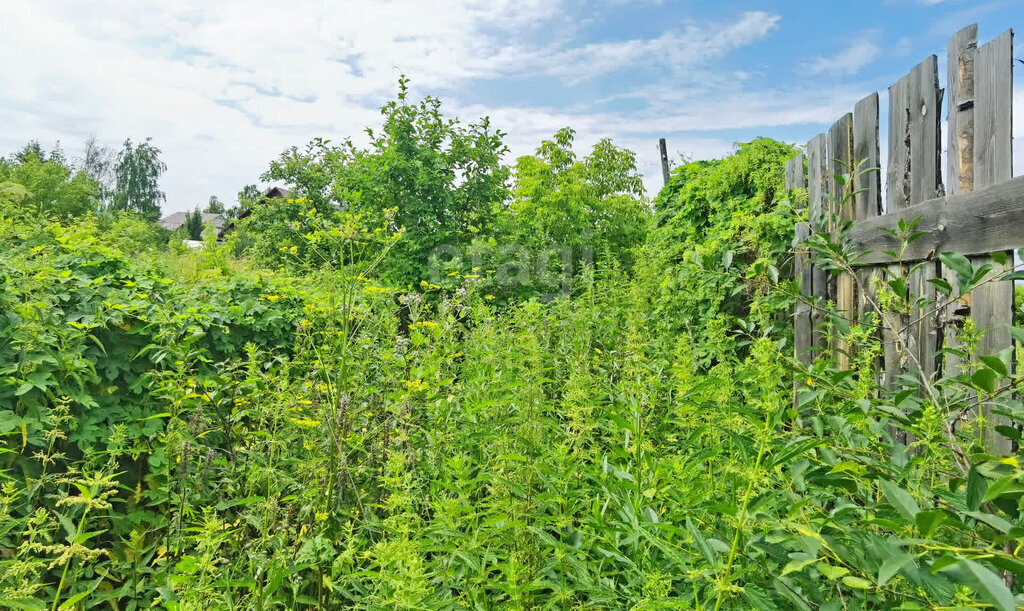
416	385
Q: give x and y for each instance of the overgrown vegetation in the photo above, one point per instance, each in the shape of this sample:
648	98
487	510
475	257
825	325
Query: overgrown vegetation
304	418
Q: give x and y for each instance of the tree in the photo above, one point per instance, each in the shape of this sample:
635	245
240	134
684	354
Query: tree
52	187
98	162
438	178
595	204
712	217
194	224
248	194
137	179
214	206
31	149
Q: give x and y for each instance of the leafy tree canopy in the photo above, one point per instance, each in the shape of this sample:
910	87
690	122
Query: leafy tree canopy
137	175
52	186
214	206
194	224
593	203
434	176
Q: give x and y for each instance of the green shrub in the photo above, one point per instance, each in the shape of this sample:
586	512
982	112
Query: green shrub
186	431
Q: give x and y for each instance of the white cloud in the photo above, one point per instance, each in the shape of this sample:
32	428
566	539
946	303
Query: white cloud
224	87
850	60
693	45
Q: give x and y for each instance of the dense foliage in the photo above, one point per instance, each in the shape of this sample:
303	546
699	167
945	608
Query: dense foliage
52	186
284	422
137	179
432	177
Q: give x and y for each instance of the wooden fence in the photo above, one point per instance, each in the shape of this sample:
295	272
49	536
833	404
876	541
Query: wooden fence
976	211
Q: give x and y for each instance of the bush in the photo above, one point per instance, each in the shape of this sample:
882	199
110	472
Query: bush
190	432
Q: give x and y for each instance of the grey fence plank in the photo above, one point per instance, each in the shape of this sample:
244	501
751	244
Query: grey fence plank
817	186
960	152
985	221
963	48
992	302
993	109
914	176
868	202
802	330
817	194
840	149
923	324
914	173
795	173
840	153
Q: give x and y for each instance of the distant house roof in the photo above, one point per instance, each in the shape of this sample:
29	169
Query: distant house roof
277	192
271	193
176	220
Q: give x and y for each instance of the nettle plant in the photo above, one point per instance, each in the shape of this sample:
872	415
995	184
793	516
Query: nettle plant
903	497
189	432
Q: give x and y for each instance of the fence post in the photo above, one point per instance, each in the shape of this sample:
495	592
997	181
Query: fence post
663	147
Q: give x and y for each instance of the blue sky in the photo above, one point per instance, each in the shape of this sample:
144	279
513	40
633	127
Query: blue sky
223	87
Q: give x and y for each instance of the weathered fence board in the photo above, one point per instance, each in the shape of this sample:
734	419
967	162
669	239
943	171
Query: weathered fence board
841	208
985	221
978	212
868	201
795	173
817	195
914	123
993	108
960	67
963	48
992	302
817	180
802	338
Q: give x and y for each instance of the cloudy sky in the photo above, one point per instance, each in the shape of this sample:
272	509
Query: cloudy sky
223	87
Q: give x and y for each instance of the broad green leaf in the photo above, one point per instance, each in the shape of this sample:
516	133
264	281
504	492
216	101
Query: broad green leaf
977	485
928	521
831	571
997	522
1017	333
958	263
857	582
1004	485
900	499
988	585
794	566
985	379
941	285
995	363
701	543
891	566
